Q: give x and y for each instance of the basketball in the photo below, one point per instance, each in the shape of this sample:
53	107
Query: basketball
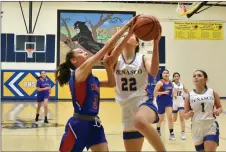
147	27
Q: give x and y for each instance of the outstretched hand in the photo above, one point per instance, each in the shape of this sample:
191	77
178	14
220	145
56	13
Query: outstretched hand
132	22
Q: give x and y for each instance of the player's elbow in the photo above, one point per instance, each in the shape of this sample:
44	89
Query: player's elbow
112	84
186	117
154	71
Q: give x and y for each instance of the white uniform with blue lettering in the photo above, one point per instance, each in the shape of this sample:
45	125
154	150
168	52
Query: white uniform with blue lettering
204	124
178	103
131	82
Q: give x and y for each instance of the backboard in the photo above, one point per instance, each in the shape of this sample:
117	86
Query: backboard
36	43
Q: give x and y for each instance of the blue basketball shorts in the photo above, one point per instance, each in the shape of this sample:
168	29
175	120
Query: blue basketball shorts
162	104
41	98
149	103
80	134
205	131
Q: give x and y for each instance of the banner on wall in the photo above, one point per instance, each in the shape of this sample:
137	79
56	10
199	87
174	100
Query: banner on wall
198	31
88	30
21	84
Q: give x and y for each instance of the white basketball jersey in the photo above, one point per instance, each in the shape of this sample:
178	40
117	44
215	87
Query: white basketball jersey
202	105
180	90
131	79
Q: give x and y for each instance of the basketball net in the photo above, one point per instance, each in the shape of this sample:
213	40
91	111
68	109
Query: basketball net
183	9
29	53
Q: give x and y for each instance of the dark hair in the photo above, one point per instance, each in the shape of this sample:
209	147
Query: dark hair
63	71
165	70
162	73
138	46
40	74
204	74
175	74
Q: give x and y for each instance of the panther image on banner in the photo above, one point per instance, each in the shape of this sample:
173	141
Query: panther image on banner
88	30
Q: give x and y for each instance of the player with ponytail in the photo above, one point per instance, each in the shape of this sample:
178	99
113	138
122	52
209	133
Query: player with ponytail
84	129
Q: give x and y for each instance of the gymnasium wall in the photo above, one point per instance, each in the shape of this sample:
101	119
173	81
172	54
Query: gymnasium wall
183	56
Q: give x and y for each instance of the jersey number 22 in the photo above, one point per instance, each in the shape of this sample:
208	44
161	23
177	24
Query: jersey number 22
129	84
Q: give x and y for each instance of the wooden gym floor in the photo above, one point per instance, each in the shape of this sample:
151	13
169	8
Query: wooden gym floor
48	138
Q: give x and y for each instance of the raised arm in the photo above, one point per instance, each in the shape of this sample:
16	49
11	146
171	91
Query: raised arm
84	70
110	82
119	48
152	65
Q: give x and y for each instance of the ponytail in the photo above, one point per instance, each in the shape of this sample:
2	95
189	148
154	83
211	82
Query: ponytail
63	74
63	71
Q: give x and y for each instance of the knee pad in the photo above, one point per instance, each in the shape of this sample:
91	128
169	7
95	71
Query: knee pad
132	135
199	147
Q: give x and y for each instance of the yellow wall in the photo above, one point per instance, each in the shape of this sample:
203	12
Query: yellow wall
105	93
25	82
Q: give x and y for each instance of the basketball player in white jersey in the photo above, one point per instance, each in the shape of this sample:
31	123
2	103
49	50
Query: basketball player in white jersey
178	102
138	110
202	105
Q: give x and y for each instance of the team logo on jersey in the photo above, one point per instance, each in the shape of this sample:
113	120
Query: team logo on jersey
95	87
95	103
169	88
128	72
200	99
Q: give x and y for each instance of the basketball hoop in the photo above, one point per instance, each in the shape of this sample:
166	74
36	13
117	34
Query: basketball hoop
188	9
29	53
182	9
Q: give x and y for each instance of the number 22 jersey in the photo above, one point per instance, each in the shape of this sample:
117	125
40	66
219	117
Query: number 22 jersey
131	78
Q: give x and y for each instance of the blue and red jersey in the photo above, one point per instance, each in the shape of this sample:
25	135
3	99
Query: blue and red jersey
43	83
85	95
166	86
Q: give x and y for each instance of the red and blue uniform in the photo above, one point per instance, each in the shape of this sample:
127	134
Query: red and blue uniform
165	100
44	94
84	128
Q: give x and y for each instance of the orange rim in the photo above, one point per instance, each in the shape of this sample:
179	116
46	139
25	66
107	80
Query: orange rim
30	50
